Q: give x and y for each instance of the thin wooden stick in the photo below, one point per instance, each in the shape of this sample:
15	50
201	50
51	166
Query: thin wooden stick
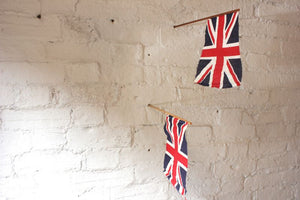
167	113
198	20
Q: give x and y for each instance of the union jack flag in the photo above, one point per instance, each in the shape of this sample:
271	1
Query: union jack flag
220	62
176	159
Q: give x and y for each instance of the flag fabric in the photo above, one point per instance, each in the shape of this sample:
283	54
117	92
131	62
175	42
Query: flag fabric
220	63
176	159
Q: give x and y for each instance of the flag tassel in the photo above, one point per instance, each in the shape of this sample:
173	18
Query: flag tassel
198	20
167	113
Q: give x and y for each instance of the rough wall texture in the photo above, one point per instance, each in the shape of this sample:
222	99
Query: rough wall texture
76	76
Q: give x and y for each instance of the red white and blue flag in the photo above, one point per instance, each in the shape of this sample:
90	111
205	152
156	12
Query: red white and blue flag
220	62
176	159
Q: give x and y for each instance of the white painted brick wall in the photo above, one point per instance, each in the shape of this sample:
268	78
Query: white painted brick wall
74	89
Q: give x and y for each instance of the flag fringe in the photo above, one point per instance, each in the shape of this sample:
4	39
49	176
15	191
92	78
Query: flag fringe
167	113
198	20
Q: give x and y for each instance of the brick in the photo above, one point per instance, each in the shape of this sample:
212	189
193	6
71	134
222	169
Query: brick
75	51
289	49
48	139
234	98
83	73
263	28
283	64
235	195
39	161
262	180
260	45
35	119
199	135
276	192
234	133
31	73
247	118
9	140
284	31
237	151
235	167
57	7
15	19
106	179
202	116
115	137
298	130
270	80
290	115
8	95
156	55
196	171
273	163
284	97
152	75
150	12
88	115
149	137
180	76
143	95
124	53
141	156
256	63
47	29
102	160
90	8
247	9
154	172
41	96
132	33
18	187
201	8
144	191
208	187
276	11
232	185
87	94
200	180
6	166
230	116
126	115
122	13
81	139
262	149
268	116
79	30
52	186
275	131
20	50
30	7
207	153
94	192
122	73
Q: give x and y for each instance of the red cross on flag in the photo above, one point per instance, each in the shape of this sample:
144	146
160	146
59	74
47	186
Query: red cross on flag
176	159
220	62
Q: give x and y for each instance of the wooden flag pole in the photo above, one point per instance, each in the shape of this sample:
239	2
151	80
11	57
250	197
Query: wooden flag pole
167	113
198	20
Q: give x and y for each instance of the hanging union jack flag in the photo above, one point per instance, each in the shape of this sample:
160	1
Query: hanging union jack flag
176	160
220	62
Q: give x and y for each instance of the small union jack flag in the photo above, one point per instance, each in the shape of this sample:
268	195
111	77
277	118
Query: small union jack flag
220	62
176	159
